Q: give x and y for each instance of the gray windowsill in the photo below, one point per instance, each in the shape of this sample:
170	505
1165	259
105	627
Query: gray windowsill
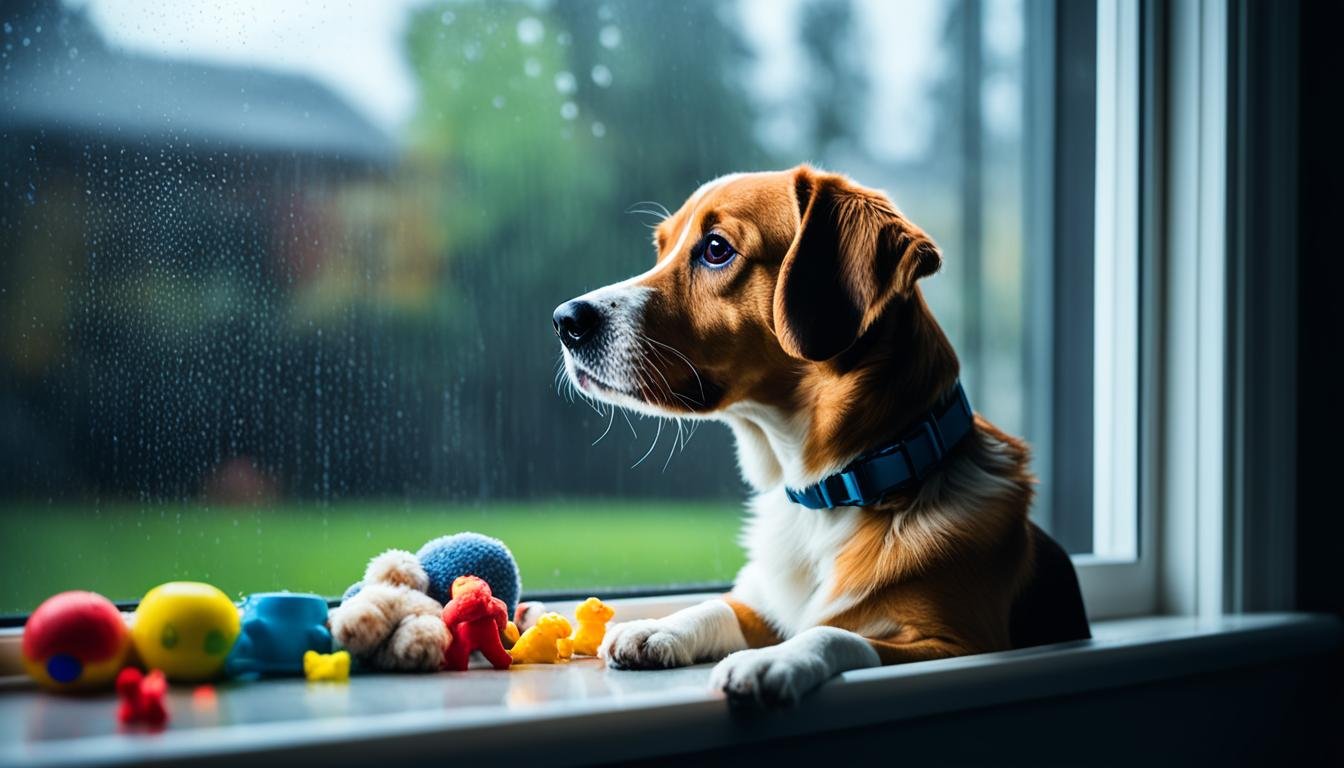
582	712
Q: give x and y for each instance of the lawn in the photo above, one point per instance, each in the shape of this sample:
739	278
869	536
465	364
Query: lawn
122	550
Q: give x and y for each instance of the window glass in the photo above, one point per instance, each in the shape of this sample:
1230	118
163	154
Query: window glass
276	278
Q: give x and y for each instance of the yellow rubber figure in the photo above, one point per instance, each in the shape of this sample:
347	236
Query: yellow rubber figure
328	667
540	643
592	616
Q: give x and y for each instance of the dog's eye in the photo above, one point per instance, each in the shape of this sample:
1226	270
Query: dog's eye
715	251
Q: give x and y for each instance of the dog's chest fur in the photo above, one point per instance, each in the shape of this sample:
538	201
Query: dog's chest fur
789	577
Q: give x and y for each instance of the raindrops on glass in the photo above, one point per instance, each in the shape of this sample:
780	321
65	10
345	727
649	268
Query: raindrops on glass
565	83
530	30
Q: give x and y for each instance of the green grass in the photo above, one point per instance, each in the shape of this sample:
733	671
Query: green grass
122	550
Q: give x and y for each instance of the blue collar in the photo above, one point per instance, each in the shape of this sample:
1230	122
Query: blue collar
898	466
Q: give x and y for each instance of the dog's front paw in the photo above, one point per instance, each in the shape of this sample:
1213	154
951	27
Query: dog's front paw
646	644
772	677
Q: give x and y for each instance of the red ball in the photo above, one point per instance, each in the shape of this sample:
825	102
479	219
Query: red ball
75	640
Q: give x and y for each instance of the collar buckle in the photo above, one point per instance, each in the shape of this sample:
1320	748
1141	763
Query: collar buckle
856	496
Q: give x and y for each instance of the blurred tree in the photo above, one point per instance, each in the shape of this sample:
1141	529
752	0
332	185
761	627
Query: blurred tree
838	87
546	124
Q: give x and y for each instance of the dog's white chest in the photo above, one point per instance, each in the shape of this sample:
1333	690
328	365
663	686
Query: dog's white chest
790	573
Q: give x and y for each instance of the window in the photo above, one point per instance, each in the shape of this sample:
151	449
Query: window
277	278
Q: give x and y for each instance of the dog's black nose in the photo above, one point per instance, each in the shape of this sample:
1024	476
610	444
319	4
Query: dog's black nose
576	322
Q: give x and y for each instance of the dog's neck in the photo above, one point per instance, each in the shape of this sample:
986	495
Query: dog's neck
838	410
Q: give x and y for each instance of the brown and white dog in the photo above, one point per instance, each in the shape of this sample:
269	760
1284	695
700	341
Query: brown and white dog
787	305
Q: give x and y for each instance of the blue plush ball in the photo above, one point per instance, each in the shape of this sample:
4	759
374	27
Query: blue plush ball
467	553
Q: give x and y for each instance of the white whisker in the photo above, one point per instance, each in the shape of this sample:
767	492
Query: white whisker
656	435
657	209
700	383
675	442
610	420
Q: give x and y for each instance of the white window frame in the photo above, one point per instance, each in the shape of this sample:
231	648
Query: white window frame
1160	311
1118	577
1192	442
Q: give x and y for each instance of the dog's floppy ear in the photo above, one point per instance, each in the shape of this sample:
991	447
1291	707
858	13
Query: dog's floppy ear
852	255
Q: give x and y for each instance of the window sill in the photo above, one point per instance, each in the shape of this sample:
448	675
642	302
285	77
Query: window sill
583	712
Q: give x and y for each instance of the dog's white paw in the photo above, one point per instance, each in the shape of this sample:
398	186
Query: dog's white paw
778	676
646	644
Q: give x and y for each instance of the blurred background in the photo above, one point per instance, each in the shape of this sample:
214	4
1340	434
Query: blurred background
276	278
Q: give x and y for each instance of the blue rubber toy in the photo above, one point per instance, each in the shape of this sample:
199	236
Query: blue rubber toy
475	554
278	628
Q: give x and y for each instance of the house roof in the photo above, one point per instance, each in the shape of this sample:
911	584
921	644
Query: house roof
91	90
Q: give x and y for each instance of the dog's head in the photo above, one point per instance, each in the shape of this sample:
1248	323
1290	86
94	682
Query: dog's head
759	278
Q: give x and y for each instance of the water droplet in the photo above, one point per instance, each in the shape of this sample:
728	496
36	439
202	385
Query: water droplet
8	28
599	130
498	102
532	67
472	51
610	36
26	41
565	82
563	39
74	53
447	17
601	76
530	30
569	110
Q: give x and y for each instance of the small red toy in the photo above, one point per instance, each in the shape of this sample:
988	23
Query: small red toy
475	619
142	697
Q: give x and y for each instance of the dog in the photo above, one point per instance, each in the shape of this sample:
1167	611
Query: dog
788	306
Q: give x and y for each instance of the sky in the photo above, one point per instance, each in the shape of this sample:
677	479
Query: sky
354	47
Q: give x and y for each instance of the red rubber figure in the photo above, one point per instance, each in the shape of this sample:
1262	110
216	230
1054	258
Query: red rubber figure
142	697
475	619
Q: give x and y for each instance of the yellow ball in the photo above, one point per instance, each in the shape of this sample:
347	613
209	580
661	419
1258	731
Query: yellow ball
186	629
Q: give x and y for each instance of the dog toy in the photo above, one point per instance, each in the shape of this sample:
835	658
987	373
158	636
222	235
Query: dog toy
142	697
326	667
527	613
75	641
186	629
278	629
591	616
390	623
461	554
477	620
510	634
471	554
540	644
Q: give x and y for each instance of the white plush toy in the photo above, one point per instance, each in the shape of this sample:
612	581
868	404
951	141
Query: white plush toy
391	623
